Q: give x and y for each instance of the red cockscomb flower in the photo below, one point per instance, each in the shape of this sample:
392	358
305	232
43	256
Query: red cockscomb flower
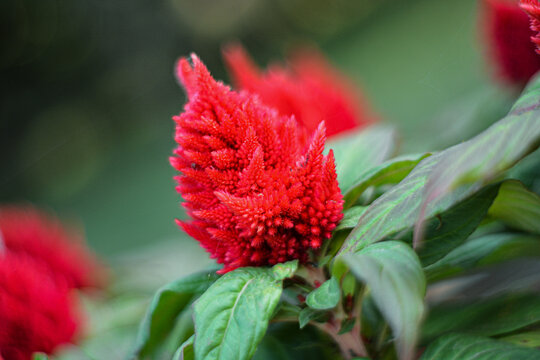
311	90
509	34
257	192
532	7
36	312
25	230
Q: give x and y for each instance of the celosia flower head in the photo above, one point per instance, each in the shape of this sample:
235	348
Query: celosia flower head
36	313
532	7
310	89
28	231
509	35
257	190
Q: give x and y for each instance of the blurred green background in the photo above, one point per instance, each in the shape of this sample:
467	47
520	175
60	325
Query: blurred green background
88	93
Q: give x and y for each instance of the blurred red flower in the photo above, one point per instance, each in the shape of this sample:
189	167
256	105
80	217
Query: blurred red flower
507	29
532	7
36	312
26	230
259	193
311	90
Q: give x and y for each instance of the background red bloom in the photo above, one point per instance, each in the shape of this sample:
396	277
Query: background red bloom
258	195
28	231
36	312
310	89
509	39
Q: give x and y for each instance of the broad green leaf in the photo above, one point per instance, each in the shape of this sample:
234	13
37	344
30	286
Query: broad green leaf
351	217
325	296
527	339
426	191
232	316
451	228
393	273
185	352
469	347
487	317
517	207
484	250
390	172
167	304
307	314
361	150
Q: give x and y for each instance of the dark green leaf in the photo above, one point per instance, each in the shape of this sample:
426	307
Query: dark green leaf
527	339
231	317
307	314
517	207
468	347
167	304
351	217
347	325
185	352
485	250
426	191
325	296
390	172
361	150
393	273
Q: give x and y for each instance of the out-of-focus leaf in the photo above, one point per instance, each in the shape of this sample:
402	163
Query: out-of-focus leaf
517	207
484	250
232	316
168	302
527	339
393	273
361	150
469	347
351	217
432	186
40	356
185	352
390	172
485	317
347	325
325	296
307	314
451	228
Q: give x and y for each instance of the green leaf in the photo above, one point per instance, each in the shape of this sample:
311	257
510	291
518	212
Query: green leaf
325	296
307	314
484	250
432	186
517	207
488	317
361	150
232	316
351	217
527	339
167	304
347	325
394	275
390	172
40	356
185	352
468	347
451	228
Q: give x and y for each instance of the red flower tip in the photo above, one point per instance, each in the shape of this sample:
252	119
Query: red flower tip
27	231
509	34
36	313
532	7
258	192
310	89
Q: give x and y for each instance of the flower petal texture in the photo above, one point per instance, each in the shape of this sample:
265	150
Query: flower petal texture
36	313
532	7
310	89
507	29
257	190
25	230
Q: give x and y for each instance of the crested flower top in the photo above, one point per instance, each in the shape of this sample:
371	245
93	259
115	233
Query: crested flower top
257	190
25	230
532	7
507	29
36	313
311	90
